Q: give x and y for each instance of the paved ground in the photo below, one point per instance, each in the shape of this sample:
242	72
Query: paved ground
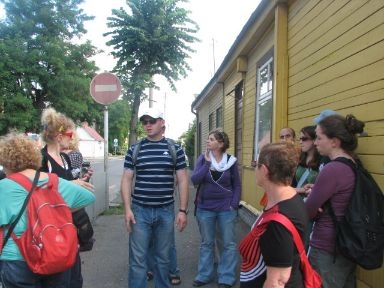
106	265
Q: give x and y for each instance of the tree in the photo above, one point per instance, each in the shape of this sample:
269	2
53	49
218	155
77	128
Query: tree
153	39
188	140
40	64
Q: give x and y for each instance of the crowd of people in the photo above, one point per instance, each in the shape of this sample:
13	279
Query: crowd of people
298	177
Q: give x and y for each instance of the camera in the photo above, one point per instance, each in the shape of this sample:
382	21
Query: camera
84	168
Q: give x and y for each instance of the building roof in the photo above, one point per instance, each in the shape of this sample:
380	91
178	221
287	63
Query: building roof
92	133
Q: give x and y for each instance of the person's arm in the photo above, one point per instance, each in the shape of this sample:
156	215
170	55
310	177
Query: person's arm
323	189
236	187
277	277
183	185
125	190
200	171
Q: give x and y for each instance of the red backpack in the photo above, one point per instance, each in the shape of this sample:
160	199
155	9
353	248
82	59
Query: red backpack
49	244
310	277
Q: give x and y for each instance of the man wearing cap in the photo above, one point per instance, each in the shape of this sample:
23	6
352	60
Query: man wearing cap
149	201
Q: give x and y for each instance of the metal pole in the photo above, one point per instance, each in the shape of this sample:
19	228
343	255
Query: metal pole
106	157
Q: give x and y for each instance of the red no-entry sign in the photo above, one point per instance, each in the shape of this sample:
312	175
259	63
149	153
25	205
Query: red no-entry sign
105	88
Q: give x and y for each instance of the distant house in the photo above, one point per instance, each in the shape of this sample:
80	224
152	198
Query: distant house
91	144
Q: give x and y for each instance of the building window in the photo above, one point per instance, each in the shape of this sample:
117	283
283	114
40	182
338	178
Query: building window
263	106
210	122
219	117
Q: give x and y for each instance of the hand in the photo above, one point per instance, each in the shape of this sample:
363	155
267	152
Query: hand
206	155
181	221
84	184
129	220
87	176
307	189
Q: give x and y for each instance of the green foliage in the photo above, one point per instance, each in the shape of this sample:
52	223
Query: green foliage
152	39
188	138
40	65
119	114
114	210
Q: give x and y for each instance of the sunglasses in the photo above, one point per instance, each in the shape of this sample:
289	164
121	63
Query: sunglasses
304	139
68	133
149	121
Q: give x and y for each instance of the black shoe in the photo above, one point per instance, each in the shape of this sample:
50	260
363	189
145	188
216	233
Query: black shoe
198	283
225	286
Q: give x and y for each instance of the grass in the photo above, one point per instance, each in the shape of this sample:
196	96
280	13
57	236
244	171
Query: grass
114	210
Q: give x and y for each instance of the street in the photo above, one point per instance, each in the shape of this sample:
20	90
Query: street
106	266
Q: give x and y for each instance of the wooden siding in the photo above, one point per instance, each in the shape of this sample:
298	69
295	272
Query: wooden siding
211	103
251	193
229	107
336	61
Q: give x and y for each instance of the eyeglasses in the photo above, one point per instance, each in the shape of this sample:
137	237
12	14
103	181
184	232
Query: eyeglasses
149	121
304	139
68	133
255	164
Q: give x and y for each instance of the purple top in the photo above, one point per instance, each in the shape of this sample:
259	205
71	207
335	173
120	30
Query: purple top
335	182
220	195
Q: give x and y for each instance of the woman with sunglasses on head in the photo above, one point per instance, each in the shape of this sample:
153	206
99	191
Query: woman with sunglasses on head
57	134
20	156
217	201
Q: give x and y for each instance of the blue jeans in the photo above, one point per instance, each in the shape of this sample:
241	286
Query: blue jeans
16	274
335	274
174	270
152	224
208	222
76	276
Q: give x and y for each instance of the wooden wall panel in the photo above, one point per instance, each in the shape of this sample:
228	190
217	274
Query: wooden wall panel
336	61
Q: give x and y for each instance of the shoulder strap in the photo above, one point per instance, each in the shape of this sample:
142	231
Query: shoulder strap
135	152
25	182
283	220
303	177
172	149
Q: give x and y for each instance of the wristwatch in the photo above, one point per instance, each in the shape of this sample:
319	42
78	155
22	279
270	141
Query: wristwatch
184	211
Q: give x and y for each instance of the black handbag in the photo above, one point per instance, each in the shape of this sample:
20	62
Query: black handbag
84	229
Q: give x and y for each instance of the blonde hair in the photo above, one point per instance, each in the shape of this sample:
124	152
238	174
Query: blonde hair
74	143
18	152
54	123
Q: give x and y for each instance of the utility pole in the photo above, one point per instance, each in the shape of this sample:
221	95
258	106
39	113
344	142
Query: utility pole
213	55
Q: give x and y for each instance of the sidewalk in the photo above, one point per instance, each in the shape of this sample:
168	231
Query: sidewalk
106	266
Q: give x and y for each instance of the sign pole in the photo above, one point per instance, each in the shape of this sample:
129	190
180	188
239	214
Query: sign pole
105	88
106	156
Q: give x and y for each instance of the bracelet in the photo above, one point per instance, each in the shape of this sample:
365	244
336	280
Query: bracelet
183	211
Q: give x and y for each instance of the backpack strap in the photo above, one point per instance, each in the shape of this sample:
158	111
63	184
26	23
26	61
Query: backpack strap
171	148
25	182
283	220
135	152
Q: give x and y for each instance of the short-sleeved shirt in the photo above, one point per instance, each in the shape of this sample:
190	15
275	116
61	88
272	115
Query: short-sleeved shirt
154	179
12	197
277	247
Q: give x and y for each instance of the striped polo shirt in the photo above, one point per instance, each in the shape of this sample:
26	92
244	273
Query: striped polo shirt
154	179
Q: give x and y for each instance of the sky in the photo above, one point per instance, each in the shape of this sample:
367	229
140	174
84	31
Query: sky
218	31
220	22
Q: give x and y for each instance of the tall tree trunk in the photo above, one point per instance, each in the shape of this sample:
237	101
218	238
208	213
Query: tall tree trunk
133	123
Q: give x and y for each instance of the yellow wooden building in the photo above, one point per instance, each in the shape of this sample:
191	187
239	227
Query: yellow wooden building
293	59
